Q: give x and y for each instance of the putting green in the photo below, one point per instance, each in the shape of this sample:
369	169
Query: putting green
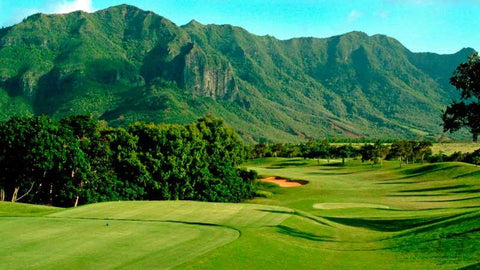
124	235
327	206
47	243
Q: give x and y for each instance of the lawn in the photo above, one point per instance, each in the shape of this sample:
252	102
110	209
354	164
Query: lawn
355	217
422	216
123	235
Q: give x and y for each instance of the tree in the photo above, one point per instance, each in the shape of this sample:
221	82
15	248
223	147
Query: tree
259	150
465	113
476	160
374	153
344	151
39	161
80	161
399	149
422	149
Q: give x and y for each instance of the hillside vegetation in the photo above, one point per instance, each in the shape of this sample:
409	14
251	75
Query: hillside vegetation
124	64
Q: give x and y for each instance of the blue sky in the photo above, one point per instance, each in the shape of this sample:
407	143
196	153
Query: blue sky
441	26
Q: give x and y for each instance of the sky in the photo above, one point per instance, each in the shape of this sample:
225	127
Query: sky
441	26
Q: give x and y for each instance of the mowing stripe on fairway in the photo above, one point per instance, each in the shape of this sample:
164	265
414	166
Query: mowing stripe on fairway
62	243
226	214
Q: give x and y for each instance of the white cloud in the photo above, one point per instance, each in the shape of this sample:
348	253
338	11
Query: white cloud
353	16
69	6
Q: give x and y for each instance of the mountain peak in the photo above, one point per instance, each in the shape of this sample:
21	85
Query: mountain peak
194	23
356	34
123	7
467	50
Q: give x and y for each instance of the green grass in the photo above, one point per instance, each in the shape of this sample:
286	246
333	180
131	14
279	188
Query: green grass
436	228
47	243
221	214
25	210
422	216
123	235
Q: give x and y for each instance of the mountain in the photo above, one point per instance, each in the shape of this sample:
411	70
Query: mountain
123	64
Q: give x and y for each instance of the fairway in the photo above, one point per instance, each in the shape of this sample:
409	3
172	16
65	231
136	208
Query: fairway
353	216
423	216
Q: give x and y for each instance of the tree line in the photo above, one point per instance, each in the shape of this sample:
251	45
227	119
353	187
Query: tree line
80	160
405	151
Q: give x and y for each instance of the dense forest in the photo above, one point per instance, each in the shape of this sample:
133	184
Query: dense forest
80	160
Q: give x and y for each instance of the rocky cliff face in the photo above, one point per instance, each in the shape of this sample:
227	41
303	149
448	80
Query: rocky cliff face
208	76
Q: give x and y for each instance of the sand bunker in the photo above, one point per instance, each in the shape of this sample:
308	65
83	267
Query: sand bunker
327	206
282	182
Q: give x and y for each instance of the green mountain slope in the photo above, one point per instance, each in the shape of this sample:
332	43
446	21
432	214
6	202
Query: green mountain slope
124	64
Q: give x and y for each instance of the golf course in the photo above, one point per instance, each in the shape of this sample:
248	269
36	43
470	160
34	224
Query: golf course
343	216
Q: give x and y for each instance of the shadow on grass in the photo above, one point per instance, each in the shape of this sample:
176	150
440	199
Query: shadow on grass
304	235
329	173
285	164
295	213
277	211
418	195
428	169
449	236
468	191
443	223
333	164
475	174
436	188
474	266
454	200
386	225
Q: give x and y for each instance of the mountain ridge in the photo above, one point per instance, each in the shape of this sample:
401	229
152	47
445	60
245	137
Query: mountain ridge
123	64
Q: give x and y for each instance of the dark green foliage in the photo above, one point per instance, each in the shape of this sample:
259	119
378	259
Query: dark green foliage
344	151
195	162
410	150
41	161
374	153
81	160
473	158
125	65
465	113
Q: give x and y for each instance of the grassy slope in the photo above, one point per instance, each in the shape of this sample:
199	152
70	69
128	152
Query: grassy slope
433	219
25	210
46	243
352	217
139	235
